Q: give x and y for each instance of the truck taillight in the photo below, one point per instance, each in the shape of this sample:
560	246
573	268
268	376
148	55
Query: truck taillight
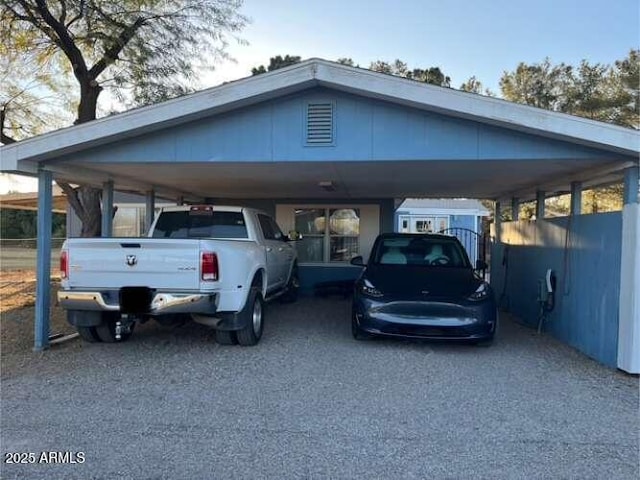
64	264
209	267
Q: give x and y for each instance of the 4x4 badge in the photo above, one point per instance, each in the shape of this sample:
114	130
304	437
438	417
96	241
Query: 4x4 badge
131	260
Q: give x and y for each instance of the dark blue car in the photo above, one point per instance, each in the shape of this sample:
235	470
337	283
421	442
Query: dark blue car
422	286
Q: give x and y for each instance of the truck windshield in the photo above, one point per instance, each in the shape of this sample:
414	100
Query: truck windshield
200	224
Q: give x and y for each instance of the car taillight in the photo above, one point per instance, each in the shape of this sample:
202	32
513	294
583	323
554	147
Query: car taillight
64	264
209	267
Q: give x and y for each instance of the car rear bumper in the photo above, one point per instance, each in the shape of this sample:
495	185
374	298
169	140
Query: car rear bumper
161	303
433	320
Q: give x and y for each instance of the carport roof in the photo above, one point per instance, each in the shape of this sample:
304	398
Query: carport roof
622	144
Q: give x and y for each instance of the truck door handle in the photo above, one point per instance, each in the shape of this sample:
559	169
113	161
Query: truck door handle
280	249
268	249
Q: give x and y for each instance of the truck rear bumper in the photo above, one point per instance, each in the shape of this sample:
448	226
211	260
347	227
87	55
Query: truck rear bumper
161	303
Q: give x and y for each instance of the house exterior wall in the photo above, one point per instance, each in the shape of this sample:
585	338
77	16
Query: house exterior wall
365	129
584	251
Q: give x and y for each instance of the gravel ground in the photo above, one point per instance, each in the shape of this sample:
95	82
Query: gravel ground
310	402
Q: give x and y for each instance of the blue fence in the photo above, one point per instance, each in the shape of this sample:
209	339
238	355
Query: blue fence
584	252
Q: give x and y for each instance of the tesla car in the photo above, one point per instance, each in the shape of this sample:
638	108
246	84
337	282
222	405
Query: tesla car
422	286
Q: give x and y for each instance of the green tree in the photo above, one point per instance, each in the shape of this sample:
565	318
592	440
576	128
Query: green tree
145	50
431	75
627	73
22	224
600	92
346	61
540	85
275	63
473	85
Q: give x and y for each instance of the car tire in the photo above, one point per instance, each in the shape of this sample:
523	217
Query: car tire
88	334
253	316
356	332
225	337
293	285
107	329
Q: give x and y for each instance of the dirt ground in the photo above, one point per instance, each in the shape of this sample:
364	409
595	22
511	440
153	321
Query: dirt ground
17	312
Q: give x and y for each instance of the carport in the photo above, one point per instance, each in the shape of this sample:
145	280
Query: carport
319	137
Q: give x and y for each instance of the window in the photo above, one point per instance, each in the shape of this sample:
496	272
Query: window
344	233
270	229
310	222
335	240
431	224
200	224
266	227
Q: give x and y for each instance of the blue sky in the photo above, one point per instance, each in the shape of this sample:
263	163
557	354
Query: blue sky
462	37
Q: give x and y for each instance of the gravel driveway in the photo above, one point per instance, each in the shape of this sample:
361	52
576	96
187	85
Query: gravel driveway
310	402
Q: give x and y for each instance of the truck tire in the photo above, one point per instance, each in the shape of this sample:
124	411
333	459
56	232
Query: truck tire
107	329
89	334
293	285
225	337
253	316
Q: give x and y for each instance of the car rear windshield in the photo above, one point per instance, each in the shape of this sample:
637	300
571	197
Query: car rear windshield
200	224
432	252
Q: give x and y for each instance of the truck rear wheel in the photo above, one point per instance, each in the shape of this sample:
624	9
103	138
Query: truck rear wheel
224	337
107	329
89	334
253	316
293	285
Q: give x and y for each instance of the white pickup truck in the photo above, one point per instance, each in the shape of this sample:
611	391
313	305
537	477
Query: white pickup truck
215	264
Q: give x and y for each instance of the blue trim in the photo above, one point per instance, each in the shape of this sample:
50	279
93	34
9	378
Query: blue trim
311	275
515	209
107	209
631	185
576	198
150	205
43	261
540	198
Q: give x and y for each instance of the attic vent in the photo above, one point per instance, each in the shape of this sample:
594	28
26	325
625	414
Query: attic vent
320	123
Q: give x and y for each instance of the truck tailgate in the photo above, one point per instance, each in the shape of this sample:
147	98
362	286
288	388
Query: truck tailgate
118	262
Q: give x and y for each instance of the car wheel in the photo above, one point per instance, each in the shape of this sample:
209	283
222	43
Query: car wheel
89	334
293	285
356	332
253	314
107	329
225	337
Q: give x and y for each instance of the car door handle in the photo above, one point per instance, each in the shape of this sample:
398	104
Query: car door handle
268	249
281	249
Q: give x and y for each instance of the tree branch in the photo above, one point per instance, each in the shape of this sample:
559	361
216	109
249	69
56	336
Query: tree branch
111	53
78	16
66	43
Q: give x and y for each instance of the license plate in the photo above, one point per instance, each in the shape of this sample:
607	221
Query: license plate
135	300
